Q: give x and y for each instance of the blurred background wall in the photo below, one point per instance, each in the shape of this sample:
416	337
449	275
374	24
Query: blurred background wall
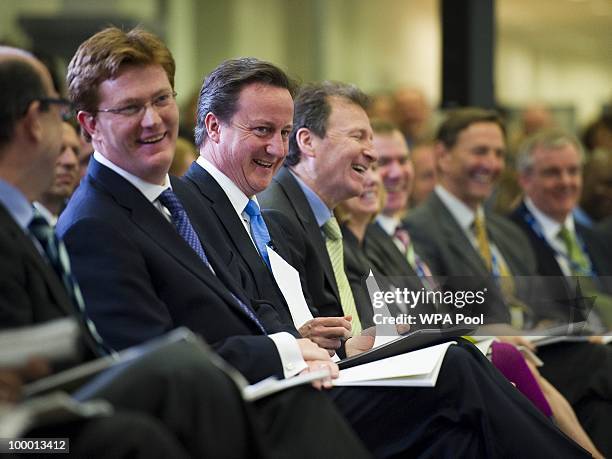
556	52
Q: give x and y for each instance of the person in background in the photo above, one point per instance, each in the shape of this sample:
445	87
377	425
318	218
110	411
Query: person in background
424	164
67	176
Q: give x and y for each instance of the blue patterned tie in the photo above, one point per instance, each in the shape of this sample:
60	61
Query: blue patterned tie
181	221
58	259
259	230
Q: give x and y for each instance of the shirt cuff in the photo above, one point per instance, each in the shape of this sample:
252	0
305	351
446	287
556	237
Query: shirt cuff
289	352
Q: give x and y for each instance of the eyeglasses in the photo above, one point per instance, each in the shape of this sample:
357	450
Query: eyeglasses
158	104
65	106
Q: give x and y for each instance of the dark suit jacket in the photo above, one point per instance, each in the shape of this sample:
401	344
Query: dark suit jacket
597	250
553	276
384	254
210	208
285	195
117	238
439	239
388	261
30	291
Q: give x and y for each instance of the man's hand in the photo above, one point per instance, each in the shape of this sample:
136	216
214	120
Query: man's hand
327	332
12	379
358	344
316	365
311	351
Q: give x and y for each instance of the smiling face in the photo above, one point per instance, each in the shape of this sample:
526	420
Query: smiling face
252	146
142	144
365	206
343	156
470	168
554	181
396	170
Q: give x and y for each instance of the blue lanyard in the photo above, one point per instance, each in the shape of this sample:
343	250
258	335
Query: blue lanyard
537	229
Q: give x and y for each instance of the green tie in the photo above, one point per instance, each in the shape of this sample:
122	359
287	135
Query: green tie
580	264
333	242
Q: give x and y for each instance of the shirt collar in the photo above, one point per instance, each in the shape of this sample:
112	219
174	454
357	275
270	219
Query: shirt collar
388	224
321	212
462	213
150	190
16	204
549	226
238	199
46	213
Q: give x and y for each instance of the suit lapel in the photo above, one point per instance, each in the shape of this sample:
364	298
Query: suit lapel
381	245
221	206
56	289
458	243
308	221
162	232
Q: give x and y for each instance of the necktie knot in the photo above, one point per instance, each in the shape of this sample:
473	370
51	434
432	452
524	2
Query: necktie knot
259	230
565	235
40	227
171	202
252	209
579	261
332	229
403	236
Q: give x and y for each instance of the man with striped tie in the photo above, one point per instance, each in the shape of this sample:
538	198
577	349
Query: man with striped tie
460	239
144	271
149	394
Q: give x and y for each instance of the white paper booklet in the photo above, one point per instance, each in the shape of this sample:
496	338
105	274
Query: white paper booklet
55	341
272	385
413	369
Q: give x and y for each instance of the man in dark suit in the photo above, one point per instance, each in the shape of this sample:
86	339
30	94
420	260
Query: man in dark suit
329	150
386	243
135	251
166	285
550	168
458	238
153	393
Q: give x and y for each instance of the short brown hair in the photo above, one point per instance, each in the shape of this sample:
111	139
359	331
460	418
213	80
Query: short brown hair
101	56
222	87
460	119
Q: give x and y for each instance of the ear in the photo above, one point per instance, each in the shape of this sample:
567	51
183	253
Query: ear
31	122
213	127
87	122
442	155
306	141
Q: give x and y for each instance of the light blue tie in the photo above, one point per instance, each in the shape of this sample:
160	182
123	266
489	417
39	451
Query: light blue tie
259	230
185	229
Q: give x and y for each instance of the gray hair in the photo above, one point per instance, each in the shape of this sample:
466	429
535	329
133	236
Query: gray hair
549	139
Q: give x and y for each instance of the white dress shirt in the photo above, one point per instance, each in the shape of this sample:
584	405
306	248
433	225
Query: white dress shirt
550	229
286	344
465	217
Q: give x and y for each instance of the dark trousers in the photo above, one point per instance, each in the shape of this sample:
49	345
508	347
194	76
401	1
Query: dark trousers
472	412
582	372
